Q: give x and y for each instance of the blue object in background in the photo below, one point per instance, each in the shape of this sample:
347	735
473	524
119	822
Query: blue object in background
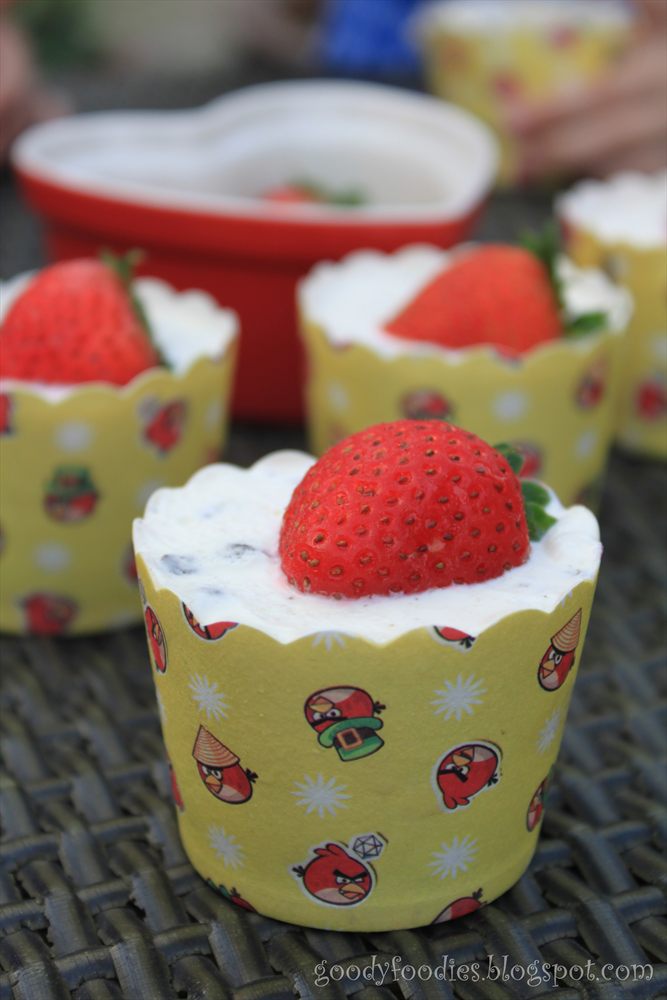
368	37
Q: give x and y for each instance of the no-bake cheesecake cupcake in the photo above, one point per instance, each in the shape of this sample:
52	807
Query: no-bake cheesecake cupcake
516	347
620	226
108	390
363	667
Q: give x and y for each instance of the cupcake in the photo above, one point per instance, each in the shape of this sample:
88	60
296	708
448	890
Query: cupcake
363	667
482	336
108	390
620	226
483	54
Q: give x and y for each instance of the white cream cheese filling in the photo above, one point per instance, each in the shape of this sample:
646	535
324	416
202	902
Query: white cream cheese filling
628	208
353	299
214	543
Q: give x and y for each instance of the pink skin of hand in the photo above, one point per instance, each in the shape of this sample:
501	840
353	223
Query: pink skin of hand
24	100
617	123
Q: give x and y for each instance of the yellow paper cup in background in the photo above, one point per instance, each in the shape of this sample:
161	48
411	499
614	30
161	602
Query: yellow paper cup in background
619	226
78	463
482	54
333	782
555	404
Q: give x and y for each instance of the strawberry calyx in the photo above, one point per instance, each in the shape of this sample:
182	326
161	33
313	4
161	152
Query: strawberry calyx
124	267
535	498
311	192
546	246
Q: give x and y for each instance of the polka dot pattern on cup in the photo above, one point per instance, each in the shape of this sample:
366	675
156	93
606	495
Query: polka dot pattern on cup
74	436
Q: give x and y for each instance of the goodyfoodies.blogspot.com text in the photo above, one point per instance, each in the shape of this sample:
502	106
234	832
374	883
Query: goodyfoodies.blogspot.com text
382	970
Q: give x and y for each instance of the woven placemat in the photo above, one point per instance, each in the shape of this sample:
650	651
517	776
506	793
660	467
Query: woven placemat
97	899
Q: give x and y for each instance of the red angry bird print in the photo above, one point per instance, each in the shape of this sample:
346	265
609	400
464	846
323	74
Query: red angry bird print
591	389
232	896
563	36
466	771
506	85
156	640
559	657
454	637
426	404
71	495
5	413
165	427
48	614
651	399
460	907
334	877
210	632
532	459
175	790
536	807
130	566
345	718
220	770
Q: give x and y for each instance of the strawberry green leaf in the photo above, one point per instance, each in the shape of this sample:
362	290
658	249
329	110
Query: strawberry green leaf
545	245
124	266
535	501
538	521
590	322
513	458
534	493
327	196
535	497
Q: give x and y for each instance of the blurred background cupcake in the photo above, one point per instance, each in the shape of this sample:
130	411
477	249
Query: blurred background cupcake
620	226
487	55
475	336
95	414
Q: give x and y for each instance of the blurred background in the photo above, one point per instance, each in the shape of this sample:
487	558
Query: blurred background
572	88
592	100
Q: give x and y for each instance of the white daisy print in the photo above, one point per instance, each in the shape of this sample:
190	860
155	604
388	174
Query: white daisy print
548	731
207	697
329	640
226	847
320	796
454	857
458	698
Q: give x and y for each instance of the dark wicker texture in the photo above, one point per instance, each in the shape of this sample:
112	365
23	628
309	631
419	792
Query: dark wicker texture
97	899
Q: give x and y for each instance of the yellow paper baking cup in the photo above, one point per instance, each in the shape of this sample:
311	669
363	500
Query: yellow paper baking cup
555	404
77	466
336	783
641	422
512	58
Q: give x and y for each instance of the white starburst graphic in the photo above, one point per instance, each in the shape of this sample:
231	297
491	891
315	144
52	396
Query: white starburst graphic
320	796
548	731
226	847
454	857
458	698
207	696
329	640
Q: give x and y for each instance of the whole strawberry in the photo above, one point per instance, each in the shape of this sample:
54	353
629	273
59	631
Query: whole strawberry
401	508
495	294
76	322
